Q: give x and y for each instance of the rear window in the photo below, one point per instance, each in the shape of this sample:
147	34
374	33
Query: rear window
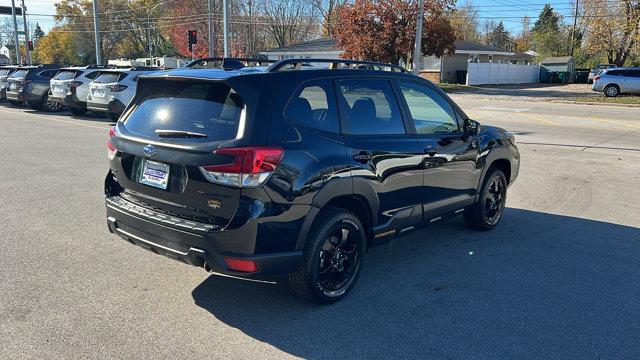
209	108
66	75
108	78
19	74
4	72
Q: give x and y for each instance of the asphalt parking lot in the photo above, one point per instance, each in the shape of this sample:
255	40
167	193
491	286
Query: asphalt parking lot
559	278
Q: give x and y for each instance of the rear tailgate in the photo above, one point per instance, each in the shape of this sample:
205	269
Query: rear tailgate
60	83
171	129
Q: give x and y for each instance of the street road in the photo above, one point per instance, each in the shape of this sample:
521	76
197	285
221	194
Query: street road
559	278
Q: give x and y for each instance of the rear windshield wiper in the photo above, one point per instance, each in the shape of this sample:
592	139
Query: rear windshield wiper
179	134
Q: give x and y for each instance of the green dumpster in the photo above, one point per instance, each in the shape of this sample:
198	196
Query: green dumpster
563	77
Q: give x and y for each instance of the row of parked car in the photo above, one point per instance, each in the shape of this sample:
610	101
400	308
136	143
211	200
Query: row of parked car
49	87
95	88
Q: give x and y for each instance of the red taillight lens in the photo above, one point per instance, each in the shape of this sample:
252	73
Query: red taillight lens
241	265
596	78
248	166
116	88
111	150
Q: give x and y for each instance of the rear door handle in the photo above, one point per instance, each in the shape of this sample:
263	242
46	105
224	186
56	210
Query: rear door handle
362	157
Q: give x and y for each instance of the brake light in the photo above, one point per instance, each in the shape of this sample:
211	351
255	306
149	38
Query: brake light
596	78
116	88
241	265
111	150
248	166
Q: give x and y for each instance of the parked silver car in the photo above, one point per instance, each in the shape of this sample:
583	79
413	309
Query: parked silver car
616	81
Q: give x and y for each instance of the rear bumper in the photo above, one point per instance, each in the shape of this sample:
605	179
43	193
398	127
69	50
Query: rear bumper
189	242
114	106
16	96
69	101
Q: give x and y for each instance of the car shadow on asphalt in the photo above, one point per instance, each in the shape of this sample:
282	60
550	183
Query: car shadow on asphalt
539	285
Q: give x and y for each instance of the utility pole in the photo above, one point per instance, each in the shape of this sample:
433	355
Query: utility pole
210	19
225	25
15	30
417	47
96	29
573	32
26	34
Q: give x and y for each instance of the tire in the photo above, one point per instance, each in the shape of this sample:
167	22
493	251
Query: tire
487	212
78	111
14	103
611	90
114	117
50	105
328	272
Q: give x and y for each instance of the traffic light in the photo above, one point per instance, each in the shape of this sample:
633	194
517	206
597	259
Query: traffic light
30	45
193	38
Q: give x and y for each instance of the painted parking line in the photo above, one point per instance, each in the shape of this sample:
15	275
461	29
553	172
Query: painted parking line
56	120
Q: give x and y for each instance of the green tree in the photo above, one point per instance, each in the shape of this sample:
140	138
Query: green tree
547	21
37	33
549	38
499	36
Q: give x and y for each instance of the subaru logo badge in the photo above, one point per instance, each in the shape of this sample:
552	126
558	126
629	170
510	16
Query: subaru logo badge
150	150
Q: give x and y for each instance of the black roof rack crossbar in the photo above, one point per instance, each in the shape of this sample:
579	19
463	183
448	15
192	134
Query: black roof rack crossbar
297	64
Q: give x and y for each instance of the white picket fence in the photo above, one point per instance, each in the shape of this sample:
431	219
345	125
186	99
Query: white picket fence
496	73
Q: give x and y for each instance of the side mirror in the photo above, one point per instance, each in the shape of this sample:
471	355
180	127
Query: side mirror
471	127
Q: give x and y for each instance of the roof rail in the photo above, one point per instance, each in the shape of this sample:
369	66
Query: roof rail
231	63
298	64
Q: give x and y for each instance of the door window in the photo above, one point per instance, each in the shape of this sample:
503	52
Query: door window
430	112
313	106
369	107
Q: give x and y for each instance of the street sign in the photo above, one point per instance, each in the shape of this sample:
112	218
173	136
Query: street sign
6	10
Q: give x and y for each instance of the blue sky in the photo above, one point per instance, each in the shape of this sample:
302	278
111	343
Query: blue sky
509	11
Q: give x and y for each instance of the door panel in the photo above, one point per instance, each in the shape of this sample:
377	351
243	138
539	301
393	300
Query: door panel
450	157
384	156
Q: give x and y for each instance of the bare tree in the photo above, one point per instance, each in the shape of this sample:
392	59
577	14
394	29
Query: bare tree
289	21
464	20
326	9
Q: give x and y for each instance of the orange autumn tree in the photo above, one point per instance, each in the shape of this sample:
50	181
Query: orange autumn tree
384	30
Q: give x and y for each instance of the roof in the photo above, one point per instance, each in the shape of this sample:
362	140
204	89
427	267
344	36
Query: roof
208	74
521	56
462	45
321	44
556	60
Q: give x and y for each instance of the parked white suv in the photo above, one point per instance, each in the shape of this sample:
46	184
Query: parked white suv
112	90
70	87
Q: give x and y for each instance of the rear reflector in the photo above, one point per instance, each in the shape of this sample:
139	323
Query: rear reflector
247	166
241	265
111	150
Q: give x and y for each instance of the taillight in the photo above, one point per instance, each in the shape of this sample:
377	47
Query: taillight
116	88
111	150
248	166
596	78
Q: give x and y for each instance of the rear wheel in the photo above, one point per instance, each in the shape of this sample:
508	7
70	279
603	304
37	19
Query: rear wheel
50	105
611	91
487	212
333	258
78	111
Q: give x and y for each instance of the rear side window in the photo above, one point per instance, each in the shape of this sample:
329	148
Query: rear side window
66	75
313	106
92	75
209	108
614	72
369	107
634	73
4	72
48	74
108	78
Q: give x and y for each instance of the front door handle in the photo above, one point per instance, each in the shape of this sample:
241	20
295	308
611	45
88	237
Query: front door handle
362	157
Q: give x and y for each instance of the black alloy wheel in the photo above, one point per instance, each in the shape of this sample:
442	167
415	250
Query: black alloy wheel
487	212
494	200
338	260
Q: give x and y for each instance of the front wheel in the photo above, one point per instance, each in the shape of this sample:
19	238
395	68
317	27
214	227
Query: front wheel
487	212
333	258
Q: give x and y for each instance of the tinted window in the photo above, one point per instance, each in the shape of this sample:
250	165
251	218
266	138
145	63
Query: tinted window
369	107
92	75
431	113
19	74
108	78
48	74
633	73
614	72
313	105
209	108
66	75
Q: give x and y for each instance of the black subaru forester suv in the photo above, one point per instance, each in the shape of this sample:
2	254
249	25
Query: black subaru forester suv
298	168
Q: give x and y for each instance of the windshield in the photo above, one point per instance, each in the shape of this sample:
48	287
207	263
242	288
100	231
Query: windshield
66	75
209	108
108	78
19	74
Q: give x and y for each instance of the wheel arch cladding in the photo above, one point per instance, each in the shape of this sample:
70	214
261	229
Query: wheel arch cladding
504	165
